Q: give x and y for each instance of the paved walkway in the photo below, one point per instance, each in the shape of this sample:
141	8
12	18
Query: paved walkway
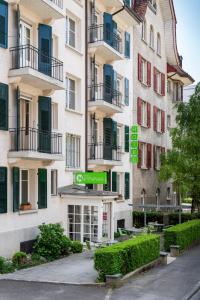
76	268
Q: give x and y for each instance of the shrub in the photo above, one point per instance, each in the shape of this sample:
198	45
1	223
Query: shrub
6	266
138	218
183	234
51	242
19	259
77	247
127	256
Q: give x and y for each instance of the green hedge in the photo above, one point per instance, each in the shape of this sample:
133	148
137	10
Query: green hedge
127	256
183	234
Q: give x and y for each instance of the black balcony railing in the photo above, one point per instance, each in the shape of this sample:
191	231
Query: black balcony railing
28	56
32	139
97	92
99	33
59	3
103	151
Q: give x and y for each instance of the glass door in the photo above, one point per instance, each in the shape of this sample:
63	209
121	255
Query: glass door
25	121
25	42
106	229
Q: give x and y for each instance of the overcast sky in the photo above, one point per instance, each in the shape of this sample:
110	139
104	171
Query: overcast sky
188	35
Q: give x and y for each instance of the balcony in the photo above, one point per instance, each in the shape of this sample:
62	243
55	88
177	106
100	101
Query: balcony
30	66
34	144
105	43
105	99
101	154
45	9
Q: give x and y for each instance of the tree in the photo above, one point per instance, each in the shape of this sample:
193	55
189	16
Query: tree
182	163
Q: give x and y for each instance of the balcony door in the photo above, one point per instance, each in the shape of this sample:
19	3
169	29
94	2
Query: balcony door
25	121
25	42
45	49
44	124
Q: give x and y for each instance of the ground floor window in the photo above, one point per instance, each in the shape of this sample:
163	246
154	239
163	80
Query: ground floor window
54	182
24	188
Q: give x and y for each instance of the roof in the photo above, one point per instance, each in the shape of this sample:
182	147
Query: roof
140	7
76	190
177	73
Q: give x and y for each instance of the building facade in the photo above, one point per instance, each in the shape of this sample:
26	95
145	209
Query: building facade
75	76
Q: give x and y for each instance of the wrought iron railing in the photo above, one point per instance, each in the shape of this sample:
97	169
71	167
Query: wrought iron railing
59	3
102	151
29	56
32	139
99	33
106	93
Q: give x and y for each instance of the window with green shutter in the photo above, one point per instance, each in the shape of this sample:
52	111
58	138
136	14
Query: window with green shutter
3	190
3	106
127	45
16	182
126	91
126	136
114	181
3	24
127	186
107	187
42	188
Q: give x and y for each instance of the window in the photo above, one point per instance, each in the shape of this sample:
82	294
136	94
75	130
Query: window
126	91
143	194
3	24
151	41
153	4
158	120
159	82
177	92
54	112
3	190
144	30
24	186
54	182
168	121
70	93
144	114
127	44
126	186
74	219
157	158
144	71
72	151
168	193
3	106
143	155
158	44
169	87
70	32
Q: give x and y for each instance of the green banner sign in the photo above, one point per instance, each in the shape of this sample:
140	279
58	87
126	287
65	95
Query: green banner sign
90	178
134	144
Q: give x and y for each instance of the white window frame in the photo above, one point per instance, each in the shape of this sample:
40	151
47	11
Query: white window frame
69	32
143	155
144	71
71	92
21	170
73	151
54	180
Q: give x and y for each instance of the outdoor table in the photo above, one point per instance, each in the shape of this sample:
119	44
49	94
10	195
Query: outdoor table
159	227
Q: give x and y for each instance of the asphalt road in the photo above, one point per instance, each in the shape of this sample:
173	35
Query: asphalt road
172	282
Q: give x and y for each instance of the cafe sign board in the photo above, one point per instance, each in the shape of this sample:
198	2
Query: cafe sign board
90	178
134	144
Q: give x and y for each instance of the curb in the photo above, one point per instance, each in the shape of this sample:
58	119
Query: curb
192	293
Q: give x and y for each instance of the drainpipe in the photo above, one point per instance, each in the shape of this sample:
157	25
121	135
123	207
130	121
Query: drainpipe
86	85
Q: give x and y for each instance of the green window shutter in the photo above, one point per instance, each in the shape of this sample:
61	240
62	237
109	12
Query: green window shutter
127	186
42	188
126	136
114	135
3	190
44	123
114	181
16	183
107	187
126	91
3	106
127	45
3	24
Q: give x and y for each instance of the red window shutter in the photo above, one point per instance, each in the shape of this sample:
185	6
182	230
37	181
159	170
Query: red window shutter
139	111
155	110
162	121
154	157
155	85
148	73
163	84
139	155
139	67
148	115
149	154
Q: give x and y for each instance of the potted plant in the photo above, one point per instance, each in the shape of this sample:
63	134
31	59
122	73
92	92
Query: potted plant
26	206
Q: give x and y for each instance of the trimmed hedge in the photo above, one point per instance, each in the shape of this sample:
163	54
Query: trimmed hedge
127	256
183	234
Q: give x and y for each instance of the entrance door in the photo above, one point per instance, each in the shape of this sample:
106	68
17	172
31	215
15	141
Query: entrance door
106	229
25	42
45	49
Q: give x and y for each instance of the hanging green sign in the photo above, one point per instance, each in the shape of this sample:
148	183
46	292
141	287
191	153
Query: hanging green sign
90	178
134	144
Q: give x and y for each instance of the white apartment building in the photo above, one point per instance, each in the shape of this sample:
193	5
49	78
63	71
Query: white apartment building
75	76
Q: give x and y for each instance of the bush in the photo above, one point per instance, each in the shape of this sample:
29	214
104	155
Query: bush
138	218
76	247
51	242
183	234
6	266
19	259
127	256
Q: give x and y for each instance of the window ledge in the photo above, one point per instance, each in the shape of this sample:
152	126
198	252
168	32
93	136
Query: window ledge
144	41
74	111
73	169
144	126
152	48
159	55
74	49
144	168
27	212
144	84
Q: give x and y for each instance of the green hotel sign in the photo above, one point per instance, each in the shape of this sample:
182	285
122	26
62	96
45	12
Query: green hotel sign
90	178
134	144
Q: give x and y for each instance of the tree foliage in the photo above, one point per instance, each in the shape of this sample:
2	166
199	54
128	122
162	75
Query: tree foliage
182	163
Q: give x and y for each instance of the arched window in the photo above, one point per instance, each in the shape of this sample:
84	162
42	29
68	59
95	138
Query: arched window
158	44
151	43
143	195
144	30
158	198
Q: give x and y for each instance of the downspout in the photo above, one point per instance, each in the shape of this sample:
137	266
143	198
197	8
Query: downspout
86	86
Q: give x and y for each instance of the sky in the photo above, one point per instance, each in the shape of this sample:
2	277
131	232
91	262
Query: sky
188	35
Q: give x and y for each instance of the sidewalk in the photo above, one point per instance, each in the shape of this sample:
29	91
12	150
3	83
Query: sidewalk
74	269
